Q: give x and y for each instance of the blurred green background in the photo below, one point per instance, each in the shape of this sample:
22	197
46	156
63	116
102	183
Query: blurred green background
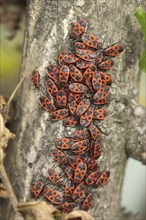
12	28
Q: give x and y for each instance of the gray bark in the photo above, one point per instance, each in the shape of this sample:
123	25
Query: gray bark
48	24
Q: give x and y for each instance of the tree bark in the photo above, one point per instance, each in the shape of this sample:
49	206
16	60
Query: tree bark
48	24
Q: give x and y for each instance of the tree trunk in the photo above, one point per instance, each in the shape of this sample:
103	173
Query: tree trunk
48	24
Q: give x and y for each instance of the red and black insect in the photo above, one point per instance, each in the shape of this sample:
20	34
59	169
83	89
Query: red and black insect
99	57
82	106
46	103
80	147
52	72
51	87
54	177
79	191
106	64
62	57
78	88
96	80
72	107
69	188
70	172
106	79
80	172
92	177
64	74
59	114
79	28
72	58
78	135
114	50
74	96
87	117
96	149
59	156
89	72
66	207
90	40
104	101
103	179
75	73
102	92
88	55
100	113
53	196
80	45
91	163
35	78
37	188
82	64
95	132
61	98
87	203
88	82
64	143
71	121
74	161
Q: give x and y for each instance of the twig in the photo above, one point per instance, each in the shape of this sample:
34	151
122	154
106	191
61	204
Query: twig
9	189
15	90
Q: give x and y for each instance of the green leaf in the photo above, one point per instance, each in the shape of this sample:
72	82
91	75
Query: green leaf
142	61
141	17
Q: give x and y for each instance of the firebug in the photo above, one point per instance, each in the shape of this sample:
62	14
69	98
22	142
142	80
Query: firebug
59	114
79	28
103	179
37	188
75	73
71	121
95	132
87	203
100	113
53	196
72	58
80	172
70	172
66	207
90	40
64	74
89	72
59	156
54	177
46	103
72	107
53	72
88	55
62	57
92	177
64	143
114	50
51	87
69	188
78	135
35	78
79	191
106	64
78	88
74	161
82	107
86	117
61	99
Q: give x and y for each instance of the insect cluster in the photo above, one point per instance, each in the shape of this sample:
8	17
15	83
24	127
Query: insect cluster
76	90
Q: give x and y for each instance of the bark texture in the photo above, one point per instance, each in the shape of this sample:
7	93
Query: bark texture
48	24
